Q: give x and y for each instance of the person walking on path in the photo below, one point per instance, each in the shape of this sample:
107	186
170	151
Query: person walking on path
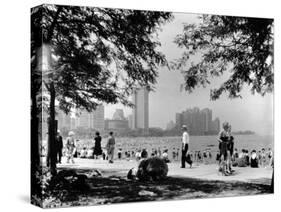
70	146
97	148
185	143
59	146
110	147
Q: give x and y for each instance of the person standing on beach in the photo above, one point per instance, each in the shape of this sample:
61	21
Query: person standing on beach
70	146
97	148
223	138
110	147
185	143
230	149
59	146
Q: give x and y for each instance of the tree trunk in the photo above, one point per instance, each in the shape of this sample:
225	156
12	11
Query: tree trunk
35	150
272	182
52	154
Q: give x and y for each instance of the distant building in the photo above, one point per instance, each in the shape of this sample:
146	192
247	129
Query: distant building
118	121
207	119
116	125
199	122
179	120
94	120
140	110
118	115
97	118
171	125
130	121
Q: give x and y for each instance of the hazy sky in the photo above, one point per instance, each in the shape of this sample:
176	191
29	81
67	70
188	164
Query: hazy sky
252	112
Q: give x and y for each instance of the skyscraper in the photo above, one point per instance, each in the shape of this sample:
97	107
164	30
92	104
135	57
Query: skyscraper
179	120
97	121
118	115
140	110
207	119
130	121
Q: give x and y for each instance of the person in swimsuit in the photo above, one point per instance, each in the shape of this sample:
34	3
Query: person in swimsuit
223	139
263	157
270	157
230	150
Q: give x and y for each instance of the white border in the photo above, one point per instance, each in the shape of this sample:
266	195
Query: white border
14	140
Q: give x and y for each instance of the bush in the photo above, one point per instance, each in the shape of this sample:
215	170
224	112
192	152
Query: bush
59	188
153	168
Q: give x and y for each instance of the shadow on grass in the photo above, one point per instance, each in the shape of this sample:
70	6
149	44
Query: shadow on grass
117	189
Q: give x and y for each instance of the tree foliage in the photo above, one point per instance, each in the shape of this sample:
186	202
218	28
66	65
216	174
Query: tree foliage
99	54
84	56
243	46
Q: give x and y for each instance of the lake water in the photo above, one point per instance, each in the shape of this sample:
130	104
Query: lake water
197	143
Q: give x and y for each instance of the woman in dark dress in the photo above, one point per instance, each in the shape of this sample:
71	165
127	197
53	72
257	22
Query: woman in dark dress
97	148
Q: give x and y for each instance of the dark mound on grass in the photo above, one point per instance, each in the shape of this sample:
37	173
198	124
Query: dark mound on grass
68	180
152	169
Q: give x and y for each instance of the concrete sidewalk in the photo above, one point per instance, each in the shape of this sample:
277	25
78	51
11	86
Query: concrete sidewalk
205	172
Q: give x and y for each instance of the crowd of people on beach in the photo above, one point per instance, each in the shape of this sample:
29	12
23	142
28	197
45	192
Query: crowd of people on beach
72	149
226	157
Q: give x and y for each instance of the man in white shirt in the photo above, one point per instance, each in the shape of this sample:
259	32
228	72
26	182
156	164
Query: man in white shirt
185	143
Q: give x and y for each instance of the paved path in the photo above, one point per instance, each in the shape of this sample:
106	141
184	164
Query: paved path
206	172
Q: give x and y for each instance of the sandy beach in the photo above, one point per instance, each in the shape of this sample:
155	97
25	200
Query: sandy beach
204	172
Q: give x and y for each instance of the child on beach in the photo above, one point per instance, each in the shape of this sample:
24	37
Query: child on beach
191	155
83	153
103	155
210	156
247	157
263	157
128	155
165	156
144	153
254	163
174	154
235	154
90	153
159	152
218	156
270	157
119	154
177	154
199	157
138	155
205	158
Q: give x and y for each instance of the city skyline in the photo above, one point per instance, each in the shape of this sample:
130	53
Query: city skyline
198	121
167	93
